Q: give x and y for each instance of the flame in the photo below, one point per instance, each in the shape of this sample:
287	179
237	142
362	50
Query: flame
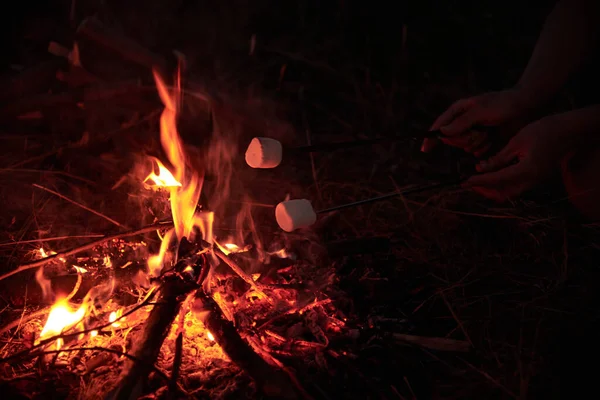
280	253
155	262
61	317
210	336
229	248
114	316
185	196
164	178
80	270
183	183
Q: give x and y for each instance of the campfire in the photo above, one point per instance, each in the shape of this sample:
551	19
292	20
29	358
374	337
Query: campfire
199	303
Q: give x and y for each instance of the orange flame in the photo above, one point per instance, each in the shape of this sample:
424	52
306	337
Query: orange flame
164	177
61	317
184	197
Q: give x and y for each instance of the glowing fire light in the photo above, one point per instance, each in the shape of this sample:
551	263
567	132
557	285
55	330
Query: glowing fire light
229	248
184	183
114	316
164	178
80	270
61	317
210	336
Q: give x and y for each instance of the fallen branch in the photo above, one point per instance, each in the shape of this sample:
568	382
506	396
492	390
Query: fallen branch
87	246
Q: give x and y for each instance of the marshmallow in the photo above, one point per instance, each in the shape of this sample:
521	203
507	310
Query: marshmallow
295	214
264	153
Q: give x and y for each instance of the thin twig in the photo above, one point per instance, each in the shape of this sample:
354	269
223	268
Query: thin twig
458	321
87	246
80	205
236	268
490	378
41	171
52	239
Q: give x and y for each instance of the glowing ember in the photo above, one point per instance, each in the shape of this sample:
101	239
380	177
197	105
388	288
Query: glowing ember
164	177
210	336
61	317
93	334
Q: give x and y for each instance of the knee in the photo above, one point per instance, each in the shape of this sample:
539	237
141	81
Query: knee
581	178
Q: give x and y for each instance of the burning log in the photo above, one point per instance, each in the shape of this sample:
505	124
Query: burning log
177	283
271	380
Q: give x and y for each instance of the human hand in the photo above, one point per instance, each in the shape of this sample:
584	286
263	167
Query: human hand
489	110
528	159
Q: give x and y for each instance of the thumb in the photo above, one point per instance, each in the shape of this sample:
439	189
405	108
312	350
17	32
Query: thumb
503	158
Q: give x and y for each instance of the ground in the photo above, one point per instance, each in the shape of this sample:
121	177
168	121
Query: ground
517	281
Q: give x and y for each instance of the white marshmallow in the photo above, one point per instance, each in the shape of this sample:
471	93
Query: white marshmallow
295	214
264	152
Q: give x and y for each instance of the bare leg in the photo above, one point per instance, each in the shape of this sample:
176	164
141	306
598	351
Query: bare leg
581	177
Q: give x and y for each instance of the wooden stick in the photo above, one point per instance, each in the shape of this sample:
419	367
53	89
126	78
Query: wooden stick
416	189
325	147
87	246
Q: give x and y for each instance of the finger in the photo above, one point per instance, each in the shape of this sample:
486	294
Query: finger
447	116
461	123
477	140
502	194
503	158
492	194
429	144
511	175
483	150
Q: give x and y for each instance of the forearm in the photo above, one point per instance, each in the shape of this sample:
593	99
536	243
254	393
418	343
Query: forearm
568	35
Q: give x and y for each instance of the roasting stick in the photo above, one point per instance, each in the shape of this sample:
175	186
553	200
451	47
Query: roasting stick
299	213
264	152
